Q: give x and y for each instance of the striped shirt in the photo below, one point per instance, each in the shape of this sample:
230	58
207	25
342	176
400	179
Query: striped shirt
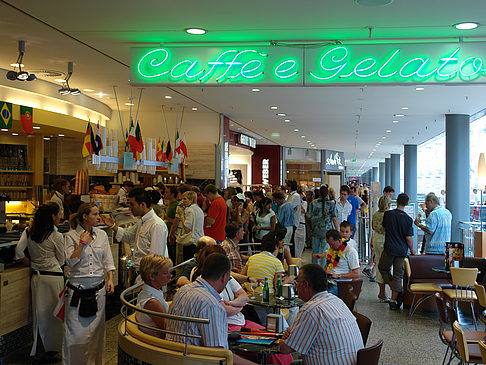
233	252
199	300
263	265
439	222
325	332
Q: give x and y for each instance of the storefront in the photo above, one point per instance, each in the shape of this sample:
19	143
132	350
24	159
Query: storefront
304	166
333	171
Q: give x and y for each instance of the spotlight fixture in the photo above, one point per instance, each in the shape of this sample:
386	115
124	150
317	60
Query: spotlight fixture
466	25
66	89
20	75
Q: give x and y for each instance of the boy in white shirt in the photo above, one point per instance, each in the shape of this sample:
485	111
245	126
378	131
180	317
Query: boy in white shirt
346	230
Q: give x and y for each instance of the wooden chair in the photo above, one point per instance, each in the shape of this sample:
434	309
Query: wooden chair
350	298
463	280
482	350
364	324
469	353
370	355
426	290
481	294
445	335
345	285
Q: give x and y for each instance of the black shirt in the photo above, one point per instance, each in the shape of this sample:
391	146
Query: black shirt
398	226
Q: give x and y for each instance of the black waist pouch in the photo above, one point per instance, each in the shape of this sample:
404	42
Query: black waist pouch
88	305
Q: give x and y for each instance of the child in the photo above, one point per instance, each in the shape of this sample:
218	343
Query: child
346	229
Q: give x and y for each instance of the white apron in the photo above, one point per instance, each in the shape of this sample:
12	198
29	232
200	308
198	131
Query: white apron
45	293
84	337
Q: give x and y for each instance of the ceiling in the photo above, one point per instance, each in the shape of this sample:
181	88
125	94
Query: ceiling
97	36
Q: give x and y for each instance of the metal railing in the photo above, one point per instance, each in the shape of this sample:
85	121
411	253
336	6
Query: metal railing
128	304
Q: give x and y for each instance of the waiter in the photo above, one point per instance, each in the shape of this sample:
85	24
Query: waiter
123	193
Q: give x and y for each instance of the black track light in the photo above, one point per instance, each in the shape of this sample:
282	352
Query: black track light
21	75
66	89
12	75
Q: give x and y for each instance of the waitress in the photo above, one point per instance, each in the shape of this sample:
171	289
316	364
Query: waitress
46	250
89	256
61	187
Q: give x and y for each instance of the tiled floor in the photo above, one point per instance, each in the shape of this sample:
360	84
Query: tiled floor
405	342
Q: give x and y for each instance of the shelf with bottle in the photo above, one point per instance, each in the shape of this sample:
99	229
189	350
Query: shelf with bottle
15	179
16	192
13	157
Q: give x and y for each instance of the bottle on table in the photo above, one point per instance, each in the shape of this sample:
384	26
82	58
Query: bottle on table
266	291
278	288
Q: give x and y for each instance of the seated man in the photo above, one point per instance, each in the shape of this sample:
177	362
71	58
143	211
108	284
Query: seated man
342	260
325	331
234	234
201	299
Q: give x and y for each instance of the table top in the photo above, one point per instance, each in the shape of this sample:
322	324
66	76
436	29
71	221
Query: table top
274	348
441	269
276	302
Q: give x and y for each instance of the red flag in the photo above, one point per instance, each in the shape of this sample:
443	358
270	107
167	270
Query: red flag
87	145
27	119
183	147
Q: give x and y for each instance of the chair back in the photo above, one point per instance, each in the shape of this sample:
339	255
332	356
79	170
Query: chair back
481	294
408	269
462	276
439	301
350	298
451	313
343	288
482	349
461	341
370	355
364	324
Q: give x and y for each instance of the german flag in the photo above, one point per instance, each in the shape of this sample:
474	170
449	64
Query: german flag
87	144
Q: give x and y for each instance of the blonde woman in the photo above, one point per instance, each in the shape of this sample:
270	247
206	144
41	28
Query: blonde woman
192	218
88	256
155	273
379	241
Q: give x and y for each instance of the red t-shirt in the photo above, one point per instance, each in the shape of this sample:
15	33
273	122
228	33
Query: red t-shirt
217	211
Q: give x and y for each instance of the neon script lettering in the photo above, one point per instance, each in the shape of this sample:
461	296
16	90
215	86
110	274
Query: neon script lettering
336	63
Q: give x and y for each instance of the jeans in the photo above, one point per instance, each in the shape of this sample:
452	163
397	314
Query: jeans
319	245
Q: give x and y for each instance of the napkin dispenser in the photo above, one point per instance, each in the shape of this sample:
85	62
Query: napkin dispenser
288	291
293	270
275	323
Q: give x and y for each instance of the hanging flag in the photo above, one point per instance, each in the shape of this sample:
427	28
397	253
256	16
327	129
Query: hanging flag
159	151
138	136
5	115
168	153
98	143
132	140
27	119
183	147
127	146
177	147
87	145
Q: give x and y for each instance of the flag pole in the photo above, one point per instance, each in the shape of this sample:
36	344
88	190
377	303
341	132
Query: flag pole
176	121
118	107
138	106
165	120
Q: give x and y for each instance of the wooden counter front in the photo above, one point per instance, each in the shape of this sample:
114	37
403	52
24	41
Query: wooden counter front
15	311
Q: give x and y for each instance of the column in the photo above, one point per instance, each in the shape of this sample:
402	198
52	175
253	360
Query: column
387	171
410	171
381	171
457	170
374	177
395	173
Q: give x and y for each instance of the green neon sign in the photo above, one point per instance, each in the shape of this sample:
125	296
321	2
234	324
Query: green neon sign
413	63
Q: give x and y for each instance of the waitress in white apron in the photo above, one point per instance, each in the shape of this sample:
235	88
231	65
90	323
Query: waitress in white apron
89	256
46	250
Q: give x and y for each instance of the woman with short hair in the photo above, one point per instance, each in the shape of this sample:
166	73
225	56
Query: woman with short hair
155	272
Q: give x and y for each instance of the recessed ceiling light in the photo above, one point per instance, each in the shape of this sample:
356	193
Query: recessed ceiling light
61	135
194	109
287	120
274	107
308	141
255	90
275	135
17	65
168	97
59	80
196	31
281	114
36	127
302	136
395	121
466	25
419	88
404	107
129	104
383	137
100	95
388	131
88	90
296	130
47	139
15	134
398	115
4	130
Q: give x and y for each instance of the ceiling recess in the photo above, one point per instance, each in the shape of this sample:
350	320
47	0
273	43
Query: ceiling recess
373	2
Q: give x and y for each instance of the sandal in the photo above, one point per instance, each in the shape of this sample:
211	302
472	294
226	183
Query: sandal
384	299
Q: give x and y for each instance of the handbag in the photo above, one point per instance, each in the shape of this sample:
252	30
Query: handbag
184	239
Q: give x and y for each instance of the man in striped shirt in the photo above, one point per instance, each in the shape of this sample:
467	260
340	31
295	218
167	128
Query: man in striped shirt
201	299
325	331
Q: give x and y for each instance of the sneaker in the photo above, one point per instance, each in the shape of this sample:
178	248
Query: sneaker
394	305
367	271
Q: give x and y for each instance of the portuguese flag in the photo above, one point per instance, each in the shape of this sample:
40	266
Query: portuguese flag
27	119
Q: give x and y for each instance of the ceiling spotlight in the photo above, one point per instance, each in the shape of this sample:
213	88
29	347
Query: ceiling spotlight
395	121
168	97
419	88
194	109
287	120
36	127
404	107
196	31
15	134
4	130
274	107
88	90
66	89
281	114
383	137
398	115
388	131
60	80
47	139
20	75
302	136
255	90
466	25
61	135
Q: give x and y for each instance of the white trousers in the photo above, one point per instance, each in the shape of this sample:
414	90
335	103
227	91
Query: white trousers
299	239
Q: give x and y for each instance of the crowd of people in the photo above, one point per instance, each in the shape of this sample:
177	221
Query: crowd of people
203	229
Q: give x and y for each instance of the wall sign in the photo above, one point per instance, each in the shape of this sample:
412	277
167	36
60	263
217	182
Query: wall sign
246	140
336	64
265	171
334	161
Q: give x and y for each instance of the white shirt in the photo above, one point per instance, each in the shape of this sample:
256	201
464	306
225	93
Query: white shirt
304	206
295	202
149	292
58	198
149	235
228	294
122	195
343	211
45	256
95	257
353	244
194	220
